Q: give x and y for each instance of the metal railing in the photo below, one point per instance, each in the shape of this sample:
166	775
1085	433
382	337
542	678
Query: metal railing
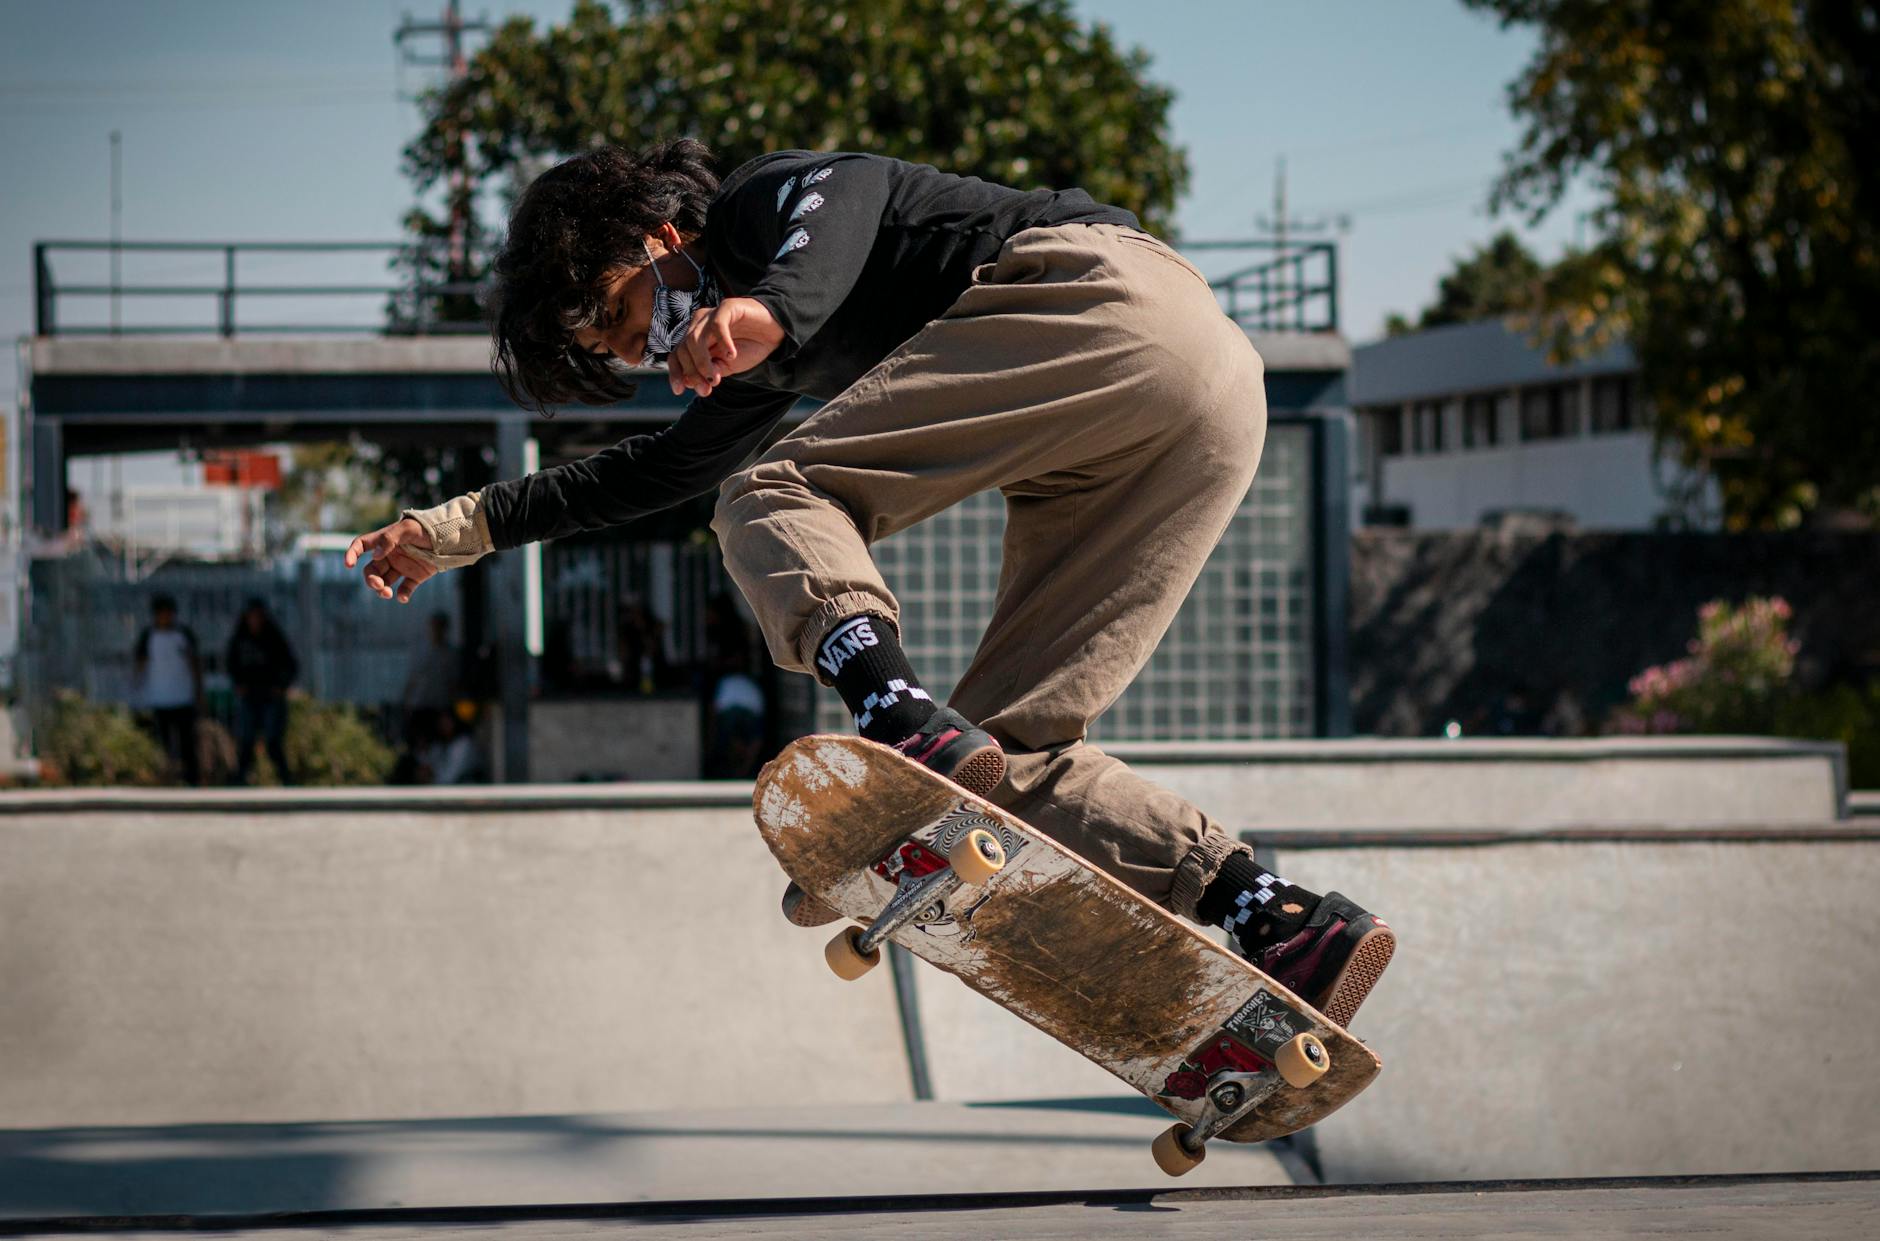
1291	287
212	272
1287	287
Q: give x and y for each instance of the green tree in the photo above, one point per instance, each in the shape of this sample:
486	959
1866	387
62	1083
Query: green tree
1500	278
1735	146
1016	91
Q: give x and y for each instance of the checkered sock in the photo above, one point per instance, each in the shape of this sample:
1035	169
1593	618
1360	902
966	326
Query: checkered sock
1255	905
863	656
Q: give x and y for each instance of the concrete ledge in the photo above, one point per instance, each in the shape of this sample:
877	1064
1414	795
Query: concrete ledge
252	355
266	355
1700	783
1302	351
466	799
1356	786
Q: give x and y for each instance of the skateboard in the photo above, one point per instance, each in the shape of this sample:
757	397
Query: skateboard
916	860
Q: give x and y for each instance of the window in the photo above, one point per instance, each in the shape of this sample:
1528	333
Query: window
1550	413
1614	404
1478	422
1387	432
1426	427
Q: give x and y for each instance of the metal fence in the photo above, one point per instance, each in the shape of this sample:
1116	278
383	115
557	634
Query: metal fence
1255	652
104	288
85	612
228	288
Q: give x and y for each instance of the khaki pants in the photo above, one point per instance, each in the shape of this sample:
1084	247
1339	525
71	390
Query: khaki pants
1089	375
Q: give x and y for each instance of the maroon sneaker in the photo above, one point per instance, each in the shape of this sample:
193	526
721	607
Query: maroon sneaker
964	753
1334	962
802	909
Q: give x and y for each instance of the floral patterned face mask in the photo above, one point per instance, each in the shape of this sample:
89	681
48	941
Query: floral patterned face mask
672	309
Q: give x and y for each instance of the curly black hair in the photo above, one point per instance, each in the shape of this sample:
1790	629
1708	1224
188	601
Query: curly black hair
576	223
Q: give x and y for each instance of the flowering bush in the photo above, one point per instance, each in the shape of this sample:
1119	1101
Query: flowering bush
1735	673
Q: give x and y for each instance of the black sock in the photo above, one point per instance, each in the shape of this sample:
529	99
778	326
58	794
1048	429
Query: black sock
863	656
1255	905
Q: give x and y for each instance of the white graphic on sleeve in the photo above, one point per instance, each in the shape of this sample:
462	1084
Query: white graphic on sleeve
810	202
812	178
797	239
783	192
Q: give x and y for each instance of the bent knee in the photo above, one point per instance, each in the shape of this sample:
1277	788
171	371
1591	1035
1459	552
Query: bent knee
740	490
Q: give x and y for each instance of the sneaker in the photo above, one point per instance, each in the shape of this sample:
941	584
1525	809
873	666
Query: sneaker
802	909
959	750
948	743
1335	961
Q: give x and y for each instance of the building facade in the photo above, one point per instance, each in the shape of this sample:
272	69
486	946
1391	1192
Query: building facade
1465	424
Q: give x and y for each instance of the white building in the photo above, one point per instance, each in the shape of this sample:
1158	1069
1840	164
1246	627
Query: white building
1464	424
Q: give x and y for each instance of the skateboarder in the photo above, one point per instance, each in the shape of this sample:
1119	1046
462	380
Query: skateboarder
963	336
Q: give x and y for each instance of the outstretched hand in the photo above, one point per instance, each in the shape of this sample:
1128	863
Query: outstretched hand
393	572
729	338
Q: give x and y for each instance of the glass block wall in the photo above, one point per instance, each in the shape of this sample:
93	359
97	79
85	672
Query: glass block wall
1236	664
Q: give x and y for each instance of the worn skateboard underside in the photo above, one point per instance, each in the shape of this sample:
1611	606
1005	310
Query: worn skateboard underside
1064	946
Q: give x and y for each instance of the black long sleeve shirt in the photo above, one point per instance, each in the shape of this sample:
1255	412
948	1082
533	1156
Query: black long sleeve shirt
852	255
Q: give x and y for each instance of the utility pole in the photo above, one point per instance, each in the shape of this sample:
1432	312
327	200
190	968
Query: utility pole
1282	226
451	28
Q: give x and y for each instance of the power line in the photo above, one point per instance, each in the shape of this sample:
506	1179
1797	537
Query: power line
270	85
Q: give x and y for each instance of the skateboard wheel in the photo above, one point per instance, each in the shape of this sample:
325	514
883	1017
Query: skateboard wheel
1171	1156
1302	1061
848	961
977	857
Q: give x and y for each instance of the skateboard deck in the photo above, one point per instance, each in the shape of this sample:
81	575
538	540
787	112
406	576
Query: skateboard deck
1194	1027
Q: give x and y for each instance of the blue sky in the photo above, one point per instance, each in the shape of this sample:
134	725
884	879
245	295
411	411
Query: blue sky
269	120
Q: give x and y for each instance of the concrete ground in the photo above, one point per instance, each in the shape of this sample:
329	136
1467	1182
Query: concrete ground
1796	1208
908	1148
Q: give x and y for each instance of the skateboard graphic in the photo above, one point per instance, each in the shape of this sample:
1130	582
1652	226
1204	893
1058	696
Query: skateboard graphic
916	860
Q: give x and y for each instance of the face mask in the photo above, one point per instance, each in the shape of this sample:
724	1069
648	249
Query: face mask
672	309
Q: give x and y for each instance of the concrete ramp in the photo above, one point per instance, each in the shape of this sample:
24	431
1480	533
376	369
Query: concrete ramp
522	1161
1576	994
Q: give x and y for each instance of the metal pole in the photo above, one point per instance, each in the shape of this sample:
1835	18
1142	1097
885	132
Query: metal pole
1331	547
44	293
1331	285
228	290
117	229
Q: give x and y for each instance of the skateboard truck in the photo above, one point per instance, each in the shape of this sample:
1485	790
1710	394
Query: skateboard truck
973	859
1232	1094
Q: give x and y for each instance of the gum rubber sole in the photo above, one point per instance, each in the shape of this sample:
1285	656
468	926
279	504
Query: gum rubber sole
802	909
980	771
1362	969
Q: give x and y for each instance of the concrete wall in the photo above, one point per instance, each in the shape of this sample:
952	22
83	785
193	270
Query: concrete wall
174	964
1607	1008
1607	482
1560	1006
1279	788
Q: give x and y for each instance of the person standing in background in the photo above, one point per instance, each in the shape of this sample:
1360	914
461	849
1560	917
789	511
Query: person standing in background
261	666
431	684
167	682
